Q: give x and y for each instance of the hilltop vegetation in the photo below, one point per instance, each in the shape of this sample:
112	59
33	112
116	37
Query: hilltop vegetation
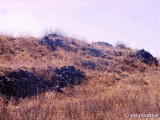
61	78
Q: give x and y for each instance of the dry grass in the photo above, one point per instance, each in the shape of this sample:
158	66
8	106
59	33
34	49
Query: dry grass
125	86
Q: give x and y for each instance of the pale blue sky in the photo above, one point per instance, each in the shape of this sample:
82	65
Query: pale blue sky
136	22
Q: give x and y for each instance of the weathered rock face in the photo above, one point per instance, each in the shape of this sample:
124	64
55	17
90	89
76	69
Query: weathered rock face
53	43
88	64
20	84
146	57
70	45
67	76
91	51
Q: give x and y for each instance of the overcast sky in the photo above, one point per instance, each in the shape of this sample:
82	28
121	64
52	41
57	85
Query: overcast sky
135	22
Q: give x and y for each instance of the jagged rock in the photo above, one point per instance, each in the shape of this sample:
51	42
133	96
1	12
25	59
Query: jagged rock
20	84
92	51
64	44
88	64
53	44
70	45
67	76
146	57
105	44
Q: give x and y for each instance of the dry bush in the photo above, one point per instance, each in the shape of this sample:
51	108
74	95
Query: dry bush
121	45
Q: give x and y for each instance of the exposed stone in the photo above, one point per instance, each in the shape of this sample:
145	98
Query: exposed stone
92	51
146	57
53	44
67	76
88	64
20	84
64	44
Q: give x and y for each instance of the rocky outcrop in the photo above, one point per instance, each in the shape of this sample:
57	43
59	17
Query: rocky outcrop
67	76
53	43
20	84
88	65
146	57
91	51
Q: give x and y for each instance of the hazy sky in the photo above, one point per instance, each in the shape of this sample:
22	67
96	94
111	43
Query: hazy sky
135	22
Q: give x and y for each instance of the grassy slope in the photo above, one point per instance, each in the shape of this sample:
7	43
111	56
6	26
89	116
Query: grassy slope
125	85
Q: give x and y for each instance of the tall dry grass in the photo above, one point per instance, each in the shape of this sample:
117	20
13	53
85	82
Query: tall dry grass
124	86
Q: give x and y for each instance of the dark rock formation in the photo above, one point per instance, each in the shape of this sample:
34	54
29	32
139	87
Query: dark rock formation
88	64
92	51
70	45
146	57
53	43
20	84
67	76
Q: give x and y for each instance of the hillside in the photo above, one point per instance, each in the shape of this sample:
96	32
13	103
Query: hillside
76	80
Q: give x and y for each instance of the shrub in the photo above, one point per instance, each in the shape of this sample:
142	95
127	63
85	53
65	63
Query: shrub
105	44
121	45
55	33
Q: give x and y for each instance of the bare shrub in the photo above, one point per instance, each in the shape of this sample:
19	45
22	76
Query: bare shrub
121	45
